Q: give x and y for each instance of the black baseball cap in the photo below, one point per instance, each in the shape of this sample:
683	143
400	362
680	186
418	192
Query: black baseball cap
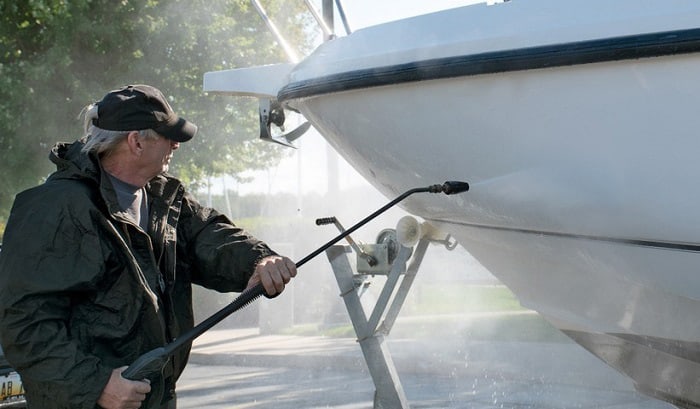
137	107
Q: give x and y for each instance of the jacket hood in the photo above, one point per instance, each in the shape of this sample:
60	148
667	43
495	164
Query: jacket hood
72	163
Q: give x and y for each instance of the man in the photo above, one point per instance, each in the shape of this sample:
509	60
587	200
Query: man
97	263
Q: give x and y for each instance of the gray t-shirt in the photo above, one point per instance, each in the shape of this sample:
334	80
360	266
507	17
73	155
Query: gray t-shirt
132	200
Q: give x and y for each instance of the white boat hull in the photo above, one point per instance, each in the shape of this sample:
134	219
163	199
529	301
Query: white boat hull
583	176
582	164
583	189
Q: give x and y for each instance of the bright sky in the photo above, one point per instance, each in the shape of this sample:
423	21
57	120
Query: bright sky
306	169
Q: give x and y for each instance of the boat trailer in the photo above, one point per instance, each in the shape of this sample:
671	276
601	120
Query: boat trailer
389	257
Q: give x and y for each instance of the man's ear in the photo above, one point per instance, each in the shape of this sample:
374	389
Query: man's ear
133	139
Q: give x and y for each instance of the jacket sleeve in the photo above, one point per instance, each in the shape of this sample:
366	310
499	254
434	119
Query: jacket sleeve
221	255
48	259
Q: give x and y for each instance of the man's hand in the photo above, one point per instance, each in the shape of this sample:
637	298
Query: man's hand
122	393
273	272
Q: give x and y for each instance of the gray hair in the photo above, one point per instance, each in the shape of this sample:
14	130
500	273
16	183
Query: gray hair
103	141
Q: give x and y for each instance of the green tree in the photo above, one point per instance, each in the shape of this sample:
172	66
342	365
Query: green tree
58	55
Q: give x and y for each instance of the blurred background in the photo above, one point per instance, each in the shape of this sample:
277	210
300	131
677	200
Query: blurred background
58	56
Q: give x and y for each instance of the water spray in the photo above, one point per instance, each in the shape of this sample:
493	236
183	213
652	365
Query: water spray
150	365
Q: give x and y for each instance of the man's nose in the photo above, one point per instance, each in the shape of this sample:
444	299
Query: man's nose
174	145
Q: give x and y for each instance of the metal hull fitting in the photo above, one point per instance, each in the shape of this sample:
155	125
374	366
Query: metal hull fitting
576	125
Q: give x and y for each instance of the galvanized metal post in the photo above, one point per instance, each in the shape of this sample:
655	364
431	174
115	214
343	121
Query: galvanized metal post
331	155
370	333
327	12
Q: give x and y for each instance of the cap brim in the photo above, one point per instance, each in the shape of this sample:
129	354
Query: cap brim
179	131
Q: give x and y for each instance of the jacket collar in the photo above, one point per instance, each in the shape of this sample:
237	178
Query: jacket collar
72	163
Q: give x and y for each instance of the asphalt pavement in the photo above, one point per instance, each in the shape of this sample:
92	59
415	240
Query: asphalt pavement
241	368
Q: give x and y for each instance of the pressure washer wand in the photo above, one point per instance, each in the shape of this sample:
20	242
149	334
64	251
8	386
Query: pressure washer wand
152	362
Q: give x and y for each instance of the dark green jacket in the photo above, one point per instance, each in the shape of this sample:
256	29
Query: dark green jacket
83	290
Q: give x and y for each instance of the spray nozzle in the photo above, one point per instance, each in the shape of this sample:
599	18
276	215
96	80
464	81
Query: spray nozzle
450	187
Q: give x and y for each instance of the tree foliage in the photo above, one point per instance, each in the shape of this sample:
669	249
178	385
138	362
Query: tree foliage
58	55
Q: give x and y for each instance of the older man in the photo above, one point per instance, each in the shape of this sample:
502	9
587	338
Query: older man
98	262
